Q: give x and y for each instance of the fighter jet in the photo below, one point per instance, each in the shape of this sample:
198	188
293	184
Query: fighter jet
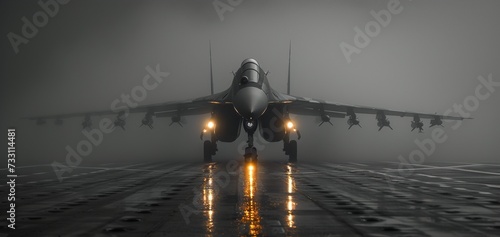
251	103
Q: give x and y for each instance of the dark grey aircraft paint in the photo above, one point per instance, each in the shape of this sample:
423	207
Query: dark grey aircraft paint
69	59
416	63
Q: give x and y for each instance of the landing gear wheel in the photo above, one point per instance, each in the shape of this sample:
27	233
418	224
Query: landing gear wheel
292	151
285	147
207	151
250	154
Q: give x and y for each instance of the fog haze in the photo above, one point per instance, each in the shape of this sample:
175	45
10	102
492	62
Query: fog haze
426	60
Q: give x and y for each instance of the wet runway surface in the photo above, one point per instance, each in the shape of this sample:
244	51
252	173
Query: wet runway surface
263	199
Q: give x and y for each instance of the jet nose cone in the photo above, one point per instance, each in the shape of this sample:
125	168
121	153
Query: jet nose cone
250	102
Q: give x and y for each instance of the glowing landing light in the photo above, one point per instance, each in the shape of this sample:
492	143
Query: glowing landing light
289	124
210	124
249	124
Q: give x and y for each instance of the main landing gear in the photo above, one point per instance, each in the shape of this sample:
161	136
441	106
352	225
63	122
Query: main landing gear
250	126
290	146
209	146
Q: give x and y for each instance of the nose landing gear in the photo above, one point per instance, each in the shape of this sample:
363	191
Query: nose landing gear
250	127
250	154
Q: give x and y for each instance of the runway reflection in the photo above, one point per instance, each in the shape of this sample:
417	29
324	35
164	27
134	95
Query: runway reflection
290	190
251	218
209	192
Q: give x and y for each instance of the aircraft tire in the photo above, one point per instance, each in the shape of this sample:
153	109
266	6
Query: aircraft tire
286	148
292	151
250	154
207	151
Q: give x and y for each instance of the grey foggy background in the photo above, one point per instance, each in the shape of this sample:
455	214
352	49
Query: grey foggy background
425	60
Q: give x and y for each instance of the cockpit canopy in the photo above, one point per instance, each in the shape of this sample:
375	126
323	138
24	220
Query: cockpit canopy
249	71
249	60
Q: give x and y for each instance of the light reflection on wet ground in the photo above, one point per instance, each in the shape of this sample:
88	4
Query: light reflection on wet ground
249	206
259	199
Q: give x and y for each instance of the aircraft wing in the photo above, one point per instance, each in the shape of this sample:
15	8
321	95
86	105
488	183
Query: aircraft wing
197	106
313	107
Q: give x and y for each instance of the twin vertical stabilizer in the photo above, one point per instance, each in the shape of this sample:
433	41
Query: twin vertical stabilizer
289	61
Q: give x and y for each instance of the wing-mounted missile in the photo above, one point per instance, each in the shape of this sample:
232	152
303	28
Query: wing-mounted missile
87	122
40	121
382	120
322	116
175	119
58	121
436	121
120	120
325	119
148	120
353	120
417	123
